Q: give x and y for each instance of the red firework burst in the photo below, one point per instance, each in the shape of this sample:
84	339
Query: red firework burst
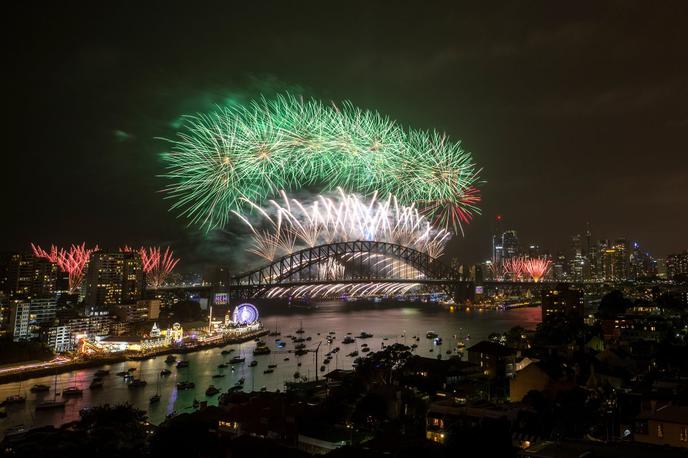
537	268
72	261
156	264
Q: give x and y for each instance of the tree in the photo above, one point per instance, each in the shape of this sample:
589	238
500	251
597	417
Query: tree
613	304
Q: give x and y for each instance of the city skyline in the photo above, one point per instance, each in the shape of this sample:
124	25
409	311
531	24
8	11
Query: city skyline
557	153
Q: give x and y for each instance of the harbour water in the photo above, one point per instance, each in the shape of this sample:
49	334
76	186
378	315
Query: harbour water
388	325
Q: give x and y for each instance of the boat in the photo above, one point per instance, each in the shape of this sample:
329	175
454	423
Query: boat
185	385
182	364
438	341
448	352
300	330
237	360
364	335
299	340
72	391
95	384
365	349
286	359
137	383
460	344
297	374
39	388
331	333
211	391
309	338
241	381
227	352
122	374
300	352
268	371
281	344
254	363
222	366
154	399
131	369
235	388
322	368
263	389
165	372
261	349
101	373
298	364
47	405
431	335
353	354
14	399
218	375
348	340
170	359
272	366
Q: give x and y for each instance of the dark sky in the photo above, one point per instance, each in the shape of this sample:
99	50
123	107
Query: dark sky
577	111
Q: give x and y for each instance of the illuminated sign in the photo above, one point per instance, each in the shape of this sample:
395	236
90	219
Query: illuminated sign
479	289
221	299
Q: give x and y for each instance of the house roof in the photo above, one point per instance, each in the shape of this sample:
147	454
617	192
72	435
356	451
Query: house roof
669	414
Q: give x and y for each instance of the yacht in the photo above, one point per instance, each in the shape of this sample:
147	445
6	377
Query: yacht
170	359
253	363
185	385
72	391
237	360
137	383
261	349
268	371
40	388
182	364
348	340
222	366
14	399
364	335
431	334
52	404
165	372
211	391
218	375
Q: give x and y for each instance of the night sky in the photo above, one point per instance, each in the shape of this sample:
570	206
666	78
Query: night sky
576	112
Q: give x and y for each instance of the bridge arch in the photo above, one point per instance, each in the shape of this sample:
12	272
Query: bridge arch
279	272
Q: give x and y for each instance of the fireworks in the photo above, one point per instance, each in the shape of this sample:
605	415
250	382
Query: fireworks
514	267
224	161
292	225
72	261
537	268
156	264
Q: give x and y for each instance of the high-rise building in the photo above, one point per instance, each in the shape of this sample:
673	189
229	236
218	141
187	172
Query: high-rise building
497	246
510	243
677	265
24	275
28	316
113	278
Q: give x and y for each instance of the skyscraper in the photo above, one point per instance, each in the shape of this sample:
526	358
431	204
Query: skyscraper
113	278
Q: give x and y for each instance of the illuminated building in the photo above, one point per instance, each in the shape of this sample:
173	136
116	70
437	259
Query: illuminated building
141	310
25	275
495	360
113	278
510	244
562	303
64	336
677	265
27	316
667	425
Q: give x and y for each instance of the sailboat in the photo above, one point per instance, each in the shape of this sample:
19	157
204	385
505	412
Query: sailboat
156	397
275	332
15	398
300	330
51	404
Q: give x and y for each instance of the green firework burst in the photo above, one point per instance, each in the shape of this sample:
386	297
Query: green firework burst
221	160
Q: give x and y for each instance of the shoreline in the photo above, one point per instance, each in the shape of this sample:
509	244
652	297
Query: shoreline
27	374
